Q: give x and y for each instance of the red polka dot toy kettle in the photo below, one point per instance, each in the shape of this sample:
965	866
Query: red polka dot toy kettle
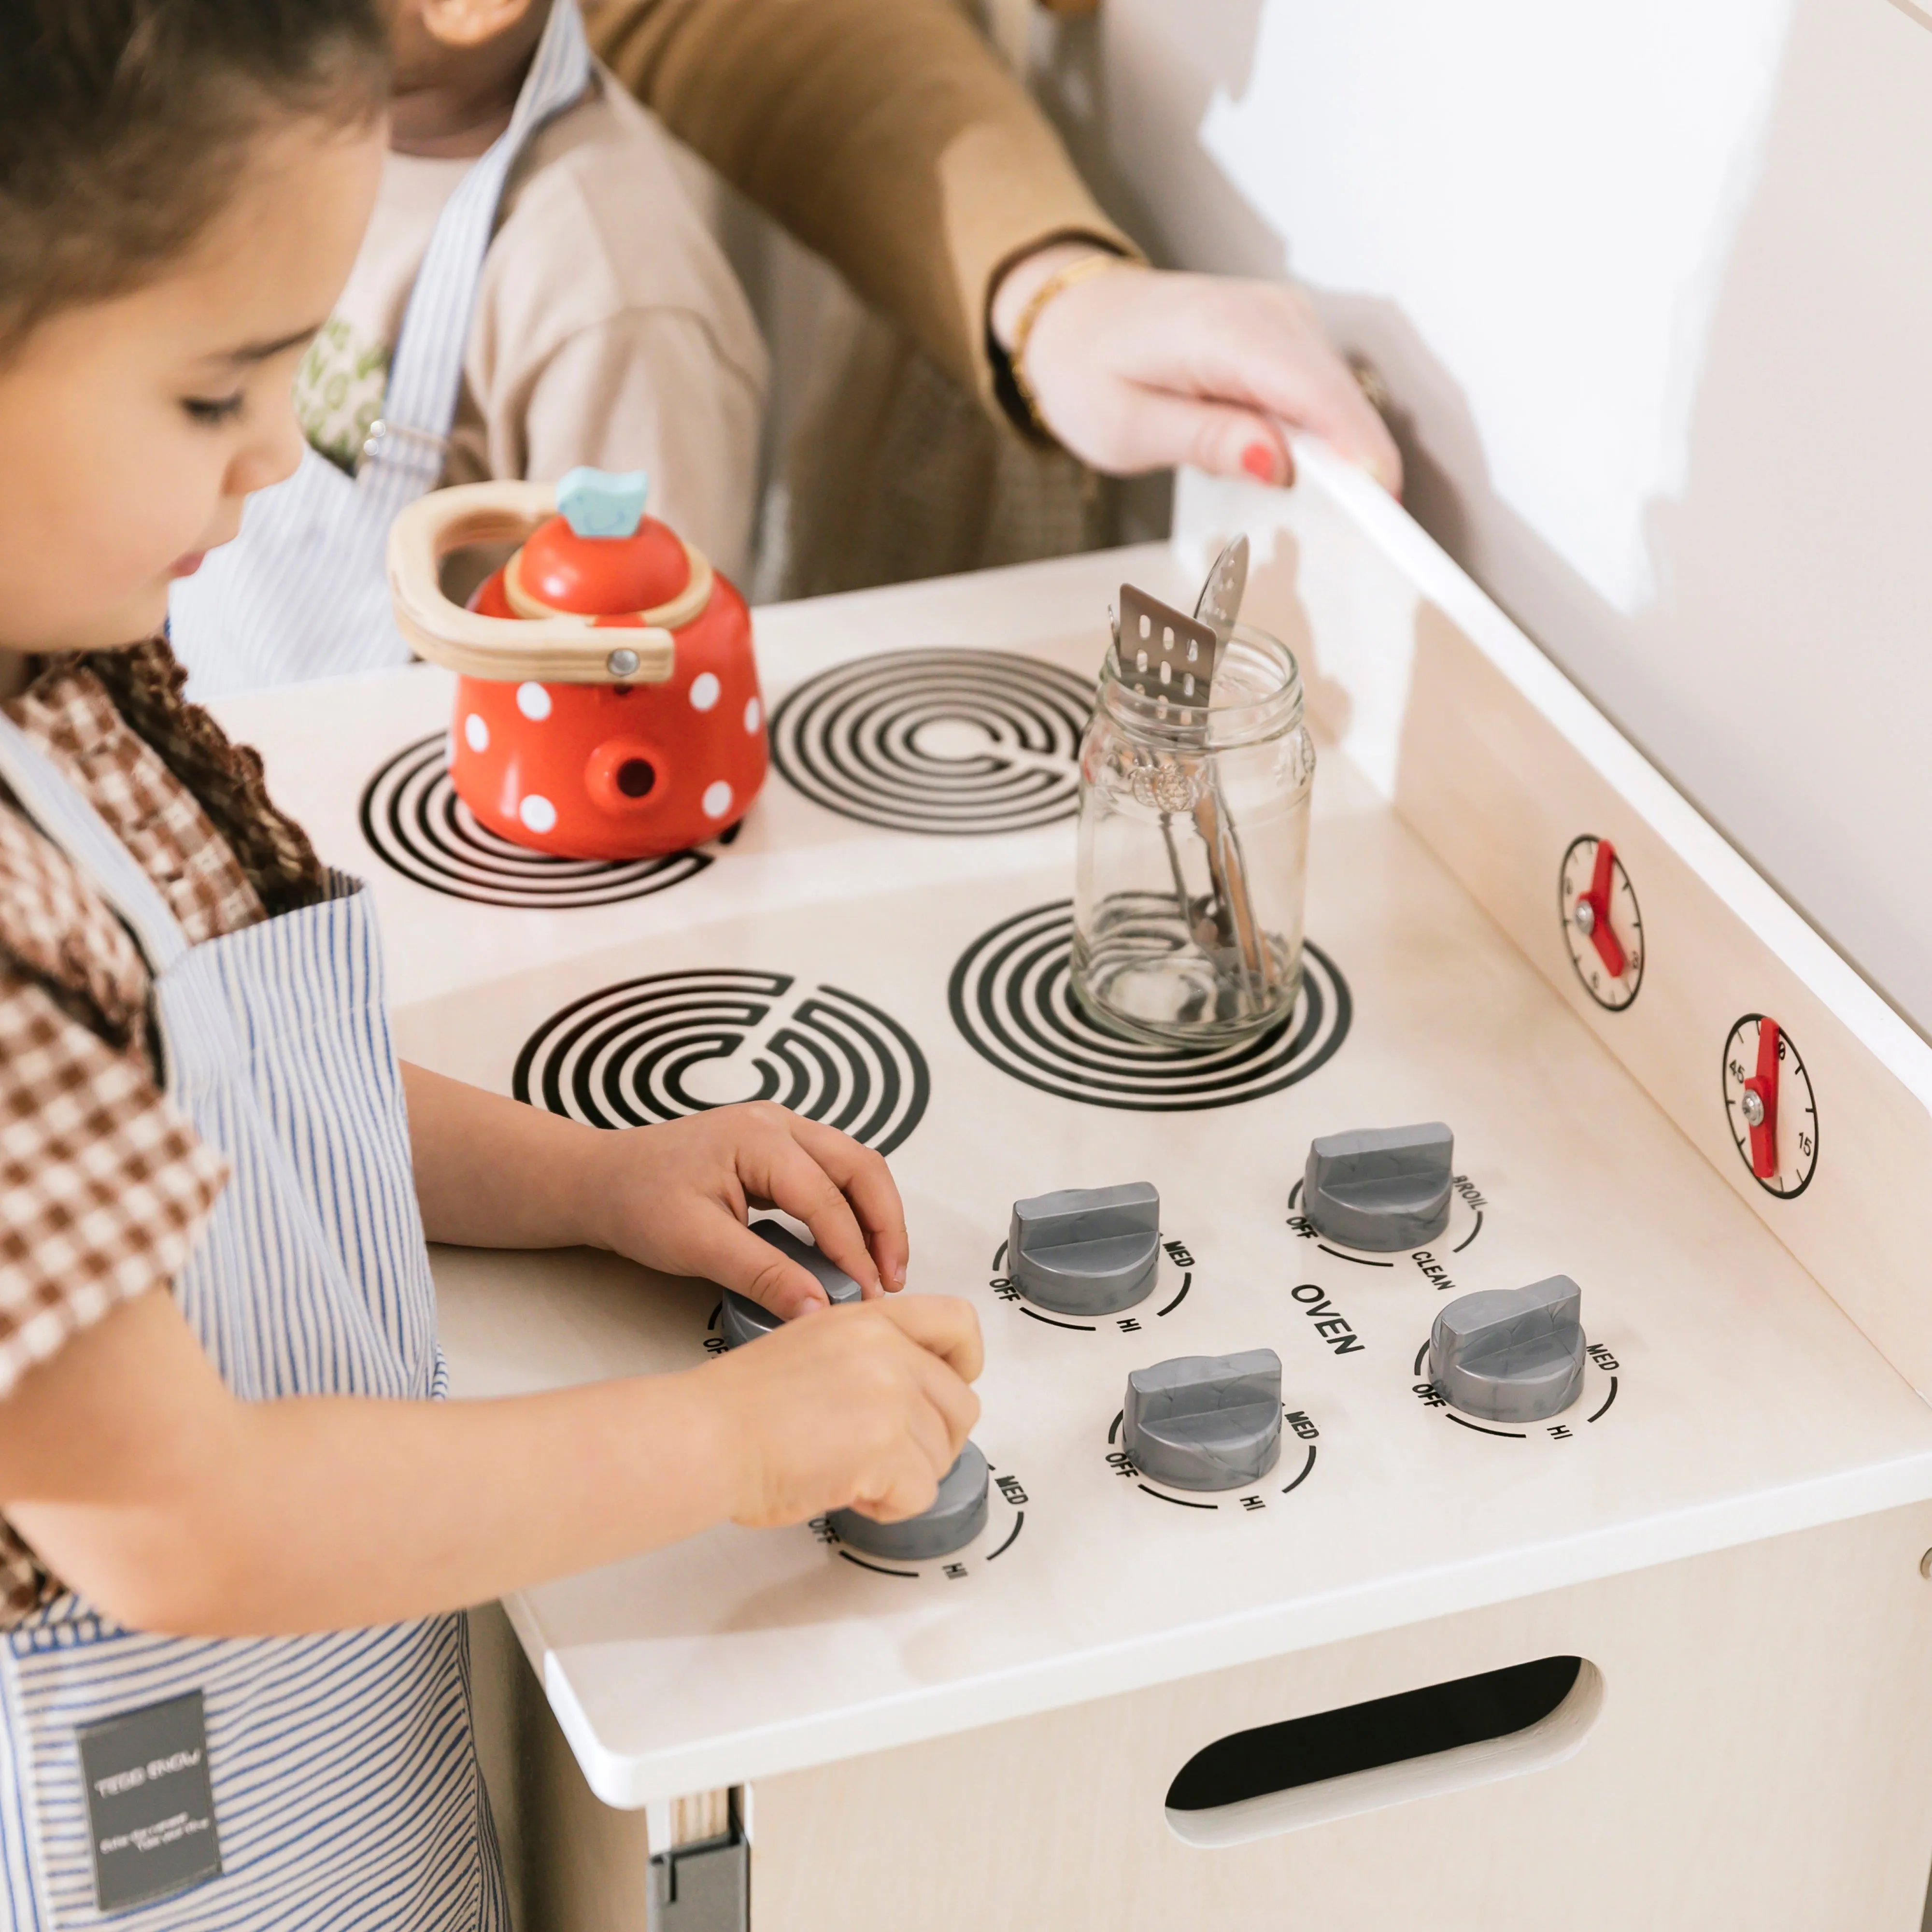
607	700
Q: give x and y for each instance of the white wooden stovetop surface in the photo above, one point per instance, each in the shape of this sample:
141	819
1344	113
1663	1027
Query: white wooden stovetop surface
1745	1404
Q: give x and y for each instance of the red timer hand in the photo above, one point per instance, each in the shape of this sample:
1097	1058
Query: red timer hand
1759	1105
1593	912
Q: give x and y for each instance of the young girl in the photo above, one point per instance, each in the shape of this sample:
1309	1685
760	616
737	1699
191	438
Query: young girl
234	1525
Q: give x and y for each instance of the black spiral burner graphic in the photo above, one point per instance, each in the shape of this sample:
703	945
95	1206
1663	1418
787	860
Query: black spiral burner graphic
415	822
677	1043
1012	997
952	743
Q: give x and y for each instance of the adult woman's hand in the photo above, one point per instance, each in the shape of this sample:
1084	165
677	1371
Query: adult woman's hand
1134	369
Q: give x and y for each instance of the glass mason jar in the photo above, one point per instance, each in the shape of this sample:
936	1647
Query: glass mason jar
1187	904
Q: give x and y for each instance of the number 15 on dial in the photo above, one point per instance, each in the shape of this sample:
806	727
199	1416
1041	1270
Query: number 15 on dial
1772	1110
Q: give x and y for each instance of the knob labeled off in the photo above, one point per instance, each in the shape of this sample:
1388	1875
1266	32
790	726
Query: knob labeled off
1086	1250
1205	1422
1381	1188
1511	1354
958	1514
743	1320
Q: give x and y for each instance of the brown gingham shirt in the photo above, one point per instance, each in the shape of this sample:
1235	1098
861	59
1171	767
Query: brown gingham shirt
104	1187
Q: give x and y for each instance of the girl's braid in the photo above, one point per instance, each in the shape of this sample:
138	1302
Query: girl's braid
273	851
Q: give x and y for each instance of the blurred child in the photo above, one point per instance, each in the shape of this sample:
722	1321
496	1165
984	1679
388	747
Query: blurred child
235	1522
536	290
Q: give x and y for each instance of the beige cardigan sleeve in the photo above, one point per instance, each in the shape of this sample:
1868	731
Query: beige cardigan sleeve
883	134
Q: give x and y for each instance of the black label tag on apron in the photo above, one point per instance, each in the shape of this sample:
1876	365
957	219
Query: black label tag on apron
150	1806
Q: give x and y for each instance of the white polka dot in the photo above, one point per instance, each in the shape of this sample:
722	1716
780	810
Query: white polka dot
475	733
704	689
536	811
717	799
532	701
754	714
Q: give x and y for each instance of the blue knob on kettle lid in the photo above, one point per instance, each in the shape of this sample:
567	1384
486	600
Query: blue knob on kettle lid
599	503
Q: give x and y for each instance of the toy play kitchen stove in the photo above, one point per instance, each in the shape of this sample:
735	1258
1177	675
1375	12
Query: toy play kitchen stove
1647	1644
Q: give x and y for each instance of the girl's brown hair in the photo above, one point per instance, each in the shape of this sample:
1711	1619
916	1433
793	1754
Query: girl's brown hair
124	123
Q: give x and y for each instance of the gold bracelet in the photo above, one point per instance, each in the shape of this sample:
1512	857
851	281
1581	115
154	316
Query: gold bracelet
1063	278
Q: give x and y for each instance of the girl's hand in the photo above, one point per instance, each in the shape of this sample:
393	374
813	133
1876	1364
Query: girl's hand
493	1173
861	1407
675	1196
1137	369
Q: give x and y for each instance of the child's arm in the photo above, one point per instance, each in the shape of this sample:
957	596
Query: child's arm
143	1482
491	1172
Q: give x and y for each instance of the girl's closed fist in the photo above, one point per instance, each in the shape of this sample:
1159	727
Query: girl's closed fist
861	1407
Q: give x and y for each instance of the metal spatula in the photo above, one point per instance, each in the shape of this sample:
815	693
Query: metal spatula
1218	607
1165	655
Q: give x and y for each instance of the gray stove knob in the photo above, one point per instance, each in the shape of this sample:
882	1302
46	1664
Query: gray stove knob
1086	1250
1511	1354
1205	1422
1383	1189
958	1514
743	1320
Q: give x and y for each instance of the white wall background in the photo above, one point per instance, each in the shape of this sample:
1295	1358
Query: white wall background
1651	285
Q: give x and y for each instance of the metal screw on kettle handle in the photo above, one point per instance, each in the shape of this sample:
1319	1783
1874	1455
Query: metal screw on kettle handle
621	663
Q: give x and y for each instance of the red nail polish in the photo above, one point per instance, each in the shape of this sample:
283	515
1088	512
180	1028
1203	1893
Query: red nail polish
1259	460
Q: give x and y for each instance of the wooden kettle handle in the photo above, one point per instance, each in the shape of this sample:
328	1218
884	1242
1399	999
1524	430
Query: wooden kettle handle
564	649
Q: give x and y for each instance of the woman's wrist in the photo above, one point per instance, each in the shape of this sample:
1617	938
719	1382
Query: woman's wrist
1021	280
1024	295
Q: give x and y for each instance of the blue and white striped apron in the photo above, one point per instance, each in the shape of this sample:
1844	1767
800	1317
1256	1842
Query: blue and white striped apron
346	1787
302	592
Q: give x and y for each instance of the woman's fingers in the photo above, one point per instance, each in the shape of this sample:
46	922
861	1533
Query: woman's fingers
1137	370
1218	437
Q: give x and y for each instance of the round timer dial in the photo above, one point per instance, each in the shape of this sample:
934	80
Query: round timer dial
1772	1111
1601	925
